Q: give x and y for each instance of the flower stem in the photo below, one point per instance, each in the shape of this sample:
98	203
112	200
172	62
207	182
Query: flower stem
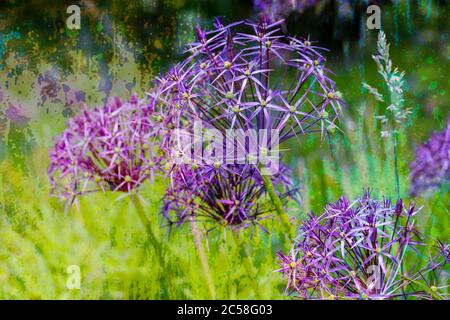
335	162
248	263
203	260
397	180
158	246
276	202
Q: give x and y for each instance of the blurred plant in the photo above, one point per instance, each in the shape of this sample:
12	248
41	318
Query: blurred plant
396	114
49	86
358	250
431	168
53	88
276	9
16	115
72	96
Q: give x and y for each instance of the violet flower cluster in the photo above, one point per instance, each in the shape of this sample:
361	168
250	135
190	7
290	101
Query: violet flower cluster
357	250
276	9
258	79
431	168
236	78
106	148
226	195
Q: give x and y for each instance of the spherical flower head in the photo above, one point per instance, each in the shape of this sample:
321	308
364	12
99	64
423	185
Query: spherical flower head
281	8
16	114
106	148
231	196
431	168
354	250
250	76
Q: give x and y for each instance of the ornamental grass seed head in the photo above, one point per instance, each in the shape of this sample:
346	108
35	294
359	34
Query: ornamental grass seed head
396	114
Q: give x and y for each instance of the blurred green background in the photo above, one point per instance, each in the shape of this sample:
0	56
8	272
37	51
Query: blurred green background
47	72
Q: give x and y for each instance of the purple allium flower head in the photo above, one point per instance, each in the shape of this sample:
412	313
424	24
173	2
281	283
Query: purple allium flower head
16	114
431	168
358	250
228	195
107	148
276	9
251	76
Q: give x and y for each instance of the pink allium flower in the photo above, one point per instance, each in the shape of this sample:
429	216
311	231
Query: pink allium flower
16	114
276	9
107	148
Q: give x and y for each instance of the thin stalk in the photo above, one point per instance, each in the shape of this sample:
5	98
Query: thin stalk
397	180
335	162
276	202
79	216
158	246
248	263
203	260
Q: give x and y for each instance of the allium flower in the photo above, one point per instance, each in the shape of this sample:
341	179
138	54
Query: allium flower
16	114
431	168
276	9
261	79
229	195
359	250
394	80
107	148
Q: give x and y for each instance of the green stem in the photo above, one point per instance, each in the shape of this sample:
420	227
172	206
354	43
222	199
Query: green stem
147	225
203	260
397	180
276	202
157	245
335	162
248	263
